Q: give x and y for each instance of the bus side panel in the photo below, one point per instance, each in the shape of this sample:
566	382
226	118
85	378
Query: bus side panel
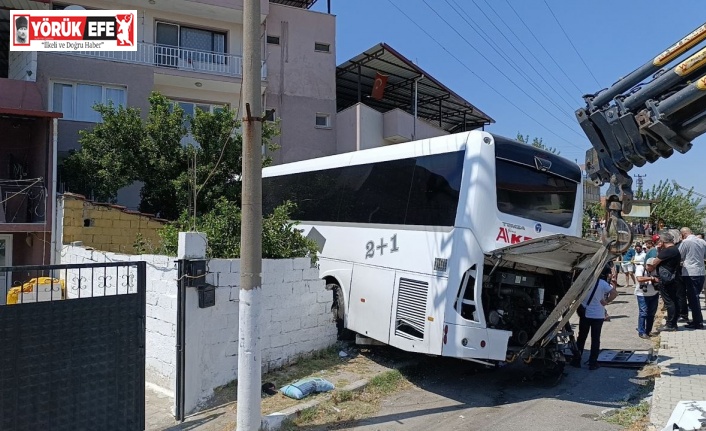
341	271
414	325
479	343
371	301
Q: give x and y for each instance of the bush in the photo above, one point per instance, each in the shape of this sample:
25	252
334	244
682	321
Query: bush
280	238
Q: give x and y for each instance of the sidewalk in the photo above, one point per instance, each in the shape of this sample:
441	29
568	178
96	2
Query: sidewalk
682	359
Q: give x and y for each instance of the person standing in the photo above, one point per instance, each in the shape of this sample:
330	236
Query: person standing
650	250
591	318
647	297
693	252
629	267
667	262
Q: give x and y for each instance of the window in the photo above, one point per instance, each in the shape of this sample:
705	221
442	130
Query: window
76	101
274	40
190	112
419	191
526	192
323	121
322	47
192	46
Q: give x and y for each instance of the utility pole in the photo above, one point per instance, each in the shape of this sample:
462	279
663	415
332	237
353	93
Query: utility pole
249	359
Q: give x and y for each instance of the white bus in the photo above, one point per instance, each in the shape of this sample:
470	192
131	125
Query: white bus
422	242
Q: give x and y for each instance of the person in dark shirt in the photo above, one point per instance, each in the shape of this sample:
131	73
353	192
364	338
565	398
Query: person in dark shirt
668	263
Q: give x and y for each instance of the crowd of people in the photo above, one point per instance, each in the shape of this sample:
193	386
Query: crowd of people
669	265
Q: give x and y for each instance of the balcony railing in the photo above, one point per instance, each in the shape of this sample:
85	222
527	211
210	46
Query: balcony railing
22	202
172	57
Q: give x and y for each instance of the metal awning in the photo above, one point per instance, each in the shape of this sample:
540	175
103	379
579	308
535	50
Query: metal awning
436	103
305	4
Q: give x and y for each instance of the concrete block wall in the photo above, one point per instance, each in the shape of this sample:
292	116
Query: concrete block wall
106	227
295	320
295	317
161	295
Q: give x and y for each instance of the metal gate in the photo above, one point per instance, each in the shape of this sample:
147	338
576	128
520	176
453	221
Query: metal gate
72	348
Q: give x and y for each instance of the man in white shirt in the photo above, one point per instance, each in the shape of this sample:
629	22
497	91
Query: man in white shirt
693	252
647	297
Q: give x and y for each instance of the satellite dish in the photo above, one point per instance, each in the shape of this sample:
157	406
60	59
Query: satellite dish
74	7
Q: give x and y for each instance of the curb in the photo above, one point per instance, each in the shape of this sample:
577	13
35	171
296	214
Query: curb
273	421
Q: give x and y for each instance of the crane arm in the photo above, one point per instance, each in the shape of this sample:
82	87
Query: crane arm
632	123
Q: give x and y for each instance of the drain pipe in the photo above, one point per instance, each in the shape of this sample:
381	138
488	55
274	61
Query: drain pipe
180	395
416	85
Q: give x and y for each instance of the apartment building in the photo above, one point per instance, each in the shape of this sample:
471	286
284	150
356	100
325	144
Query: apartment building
191	51
27	154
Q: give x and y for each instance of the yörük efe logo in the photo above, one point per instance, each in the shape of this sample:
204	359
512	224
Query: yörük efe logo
73	30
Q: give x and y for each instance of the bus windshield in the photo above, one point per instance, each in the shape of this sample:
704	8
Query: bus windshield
526	192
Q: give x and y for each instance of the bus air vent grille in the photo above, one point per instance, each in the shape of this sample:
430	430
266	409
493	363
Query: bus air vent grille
411	309
441	264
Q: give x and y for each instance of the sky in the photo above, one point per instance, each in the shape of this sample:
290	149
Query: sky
513	60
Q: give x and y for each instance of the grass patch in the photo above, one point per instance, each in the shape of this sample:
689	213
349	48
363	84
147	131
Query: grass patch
386	382
348	406
631	416
341	396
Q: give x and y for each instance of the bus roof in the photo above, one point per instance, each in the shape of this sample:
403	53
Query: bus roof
424	147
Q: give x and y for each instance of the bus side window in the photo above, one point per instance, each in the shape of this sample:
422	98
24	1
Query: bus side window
465	304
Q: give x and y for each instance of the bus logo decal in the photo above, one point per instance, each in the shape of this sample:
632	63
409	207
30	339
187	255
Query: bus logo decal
370	247
538	227
509	237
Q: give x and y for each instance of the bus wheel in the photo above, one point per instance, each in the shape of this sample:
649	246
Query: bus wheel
338	308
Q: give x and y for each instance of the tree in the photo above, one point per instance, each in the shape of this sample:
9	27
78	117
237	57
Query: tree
537	143
678	209
123	149
590	211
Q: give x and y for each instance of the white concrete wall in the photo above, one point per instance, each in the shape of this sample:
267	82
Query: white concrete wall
160	337
296	317
369	127
346	130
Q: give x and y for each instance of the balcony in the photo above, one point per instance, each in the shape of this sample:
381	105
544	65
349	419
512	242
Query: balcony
22	201
175	58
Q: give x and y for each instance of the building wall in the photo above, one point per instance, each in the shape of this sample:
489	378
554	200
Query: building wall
23	65
53	67
370	126
301	82
347	130
295	319
106	227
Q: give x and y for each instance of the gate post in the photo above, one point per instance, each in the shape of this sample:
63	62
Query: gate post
192	245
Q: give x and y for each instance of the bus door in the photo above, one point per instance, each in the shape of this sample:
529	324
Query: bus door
412	319
370	301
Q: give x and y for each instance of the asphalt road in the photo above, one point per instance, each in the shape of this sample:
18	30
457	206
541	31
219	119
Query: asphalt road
454	395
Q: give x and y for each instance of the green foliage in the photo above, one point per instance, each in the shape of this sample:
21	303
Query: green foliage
677	208
280	239
124	148
592	210
537	143
198	186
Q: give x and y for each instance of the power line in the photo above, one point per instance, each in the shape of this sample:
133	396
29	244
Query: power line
572	44
503	55
540	63
501	72
476	75
556	63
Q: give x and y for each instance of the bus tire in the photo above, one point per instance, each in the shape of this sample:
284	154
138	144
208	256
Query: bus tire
338	308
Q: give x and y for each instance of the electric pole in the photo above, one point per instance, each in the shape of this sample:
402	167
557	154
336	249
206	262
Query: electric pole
249	359
640	182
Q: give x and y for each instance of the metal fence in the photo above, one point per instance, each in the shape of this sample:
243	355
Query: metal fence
72	347
216	63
